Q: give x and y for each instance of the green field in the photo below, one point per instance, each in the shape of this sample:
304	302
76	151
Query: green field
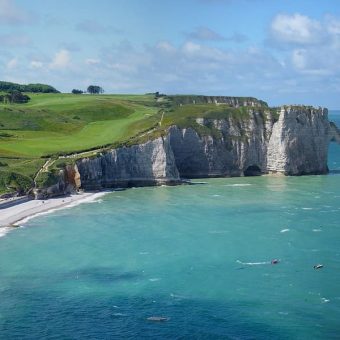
62	123
55	124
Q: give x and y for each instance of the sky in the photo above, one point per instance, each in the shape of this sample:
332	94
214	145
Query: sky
280	51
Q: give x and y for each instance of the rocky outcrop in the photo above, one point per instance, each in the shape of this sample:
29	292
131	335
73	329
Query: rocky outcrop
292	141
334	133
151	163
238	146
294	144
299	142
66	181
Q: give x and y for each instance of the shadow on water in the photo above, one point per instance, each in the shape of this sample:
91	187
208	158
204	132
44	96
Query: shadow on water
102	275
334	172
96	317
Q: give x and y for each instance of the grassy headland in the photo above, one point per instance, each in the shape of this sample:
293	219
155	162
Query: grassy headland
54	124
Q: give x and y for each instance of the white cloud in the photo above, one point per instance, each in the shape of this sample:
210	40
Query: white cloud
12	64
205	34
333	25
92	61
296	29
190	48
35	64
165	46
61	60
15	40
94	27
11	14
299	59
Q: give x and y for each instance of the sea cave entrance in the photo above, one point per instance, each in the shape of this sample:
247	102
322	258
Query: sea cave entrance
334	158
252	170
333	147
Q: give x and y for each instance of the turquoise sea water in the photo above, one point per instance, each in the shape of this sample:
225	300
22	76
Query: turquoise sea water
198	255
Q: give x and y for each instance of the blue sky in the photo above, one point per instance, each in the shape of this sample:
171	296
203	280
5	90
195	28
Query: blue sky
279	51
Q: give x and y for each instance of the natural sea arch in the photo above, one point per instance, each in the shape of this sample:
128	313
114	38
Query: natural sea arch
334	146
253	170
334	157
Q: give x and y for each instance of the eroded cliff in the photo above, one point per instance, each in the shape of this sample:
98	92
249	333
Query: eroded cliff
151	163
233	147
292	140
298	144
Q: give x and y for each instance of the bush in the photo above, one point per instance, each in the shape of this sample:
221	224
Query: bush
75	91
47	179
15	181
15	97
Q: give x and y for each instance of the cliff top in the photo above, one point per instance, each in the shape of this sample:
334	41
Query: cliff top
230	101
53	124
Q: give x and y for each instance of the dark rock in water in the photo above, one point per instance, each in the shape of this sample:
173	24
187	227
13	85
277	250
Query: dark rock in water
157	318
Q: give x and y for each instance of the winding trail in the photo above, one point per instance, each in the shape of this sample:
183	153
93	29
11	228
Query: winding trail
44	168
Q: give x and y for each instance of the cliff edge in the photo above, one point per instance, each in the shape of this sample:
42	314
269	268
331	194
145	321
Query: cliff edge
292	140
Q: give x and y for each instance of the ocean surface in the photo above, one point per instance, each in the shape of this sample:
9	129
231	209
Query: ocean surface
199	256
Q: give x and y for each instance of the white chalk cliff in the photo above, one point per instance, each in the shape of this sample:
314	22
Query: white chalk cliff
293	142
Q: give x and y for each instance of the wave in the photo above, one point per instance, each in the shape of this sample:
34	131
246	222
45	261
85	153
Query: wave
90	199
253	263
93	198
238	185
218	232
4	231
176	296
284	230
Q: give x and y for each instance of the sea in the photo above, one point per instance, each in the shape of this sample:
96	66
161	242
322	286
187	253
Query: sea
196	259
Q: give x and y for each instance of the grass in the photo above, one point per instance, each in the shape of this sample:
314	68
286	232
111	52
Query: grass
185	116
62	123
54	124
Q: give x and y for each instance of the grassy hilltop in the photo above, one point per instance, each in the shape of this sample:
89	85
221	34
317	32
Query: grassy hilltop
54	124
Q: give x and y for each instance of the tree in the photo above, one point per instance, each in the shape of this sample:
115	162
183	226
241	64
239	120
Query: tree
43	88
93	89
75	91
15	97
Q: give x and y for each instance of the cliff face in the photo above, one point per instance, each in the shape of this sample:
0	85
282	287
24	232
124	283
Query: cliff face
293	143
67	181
145	164
238	146
299	142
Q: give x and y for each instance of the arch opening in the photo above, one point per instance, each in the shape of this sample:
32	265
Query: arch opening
252	170
333	158
333	146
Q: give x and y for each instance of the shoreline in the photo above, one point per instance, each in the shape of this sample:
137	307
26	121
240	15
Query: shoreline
18	214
